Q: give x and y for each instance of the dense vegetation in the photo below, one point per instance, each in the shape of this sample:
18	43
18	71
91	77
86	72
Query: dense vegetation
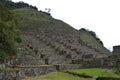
12	5
9	33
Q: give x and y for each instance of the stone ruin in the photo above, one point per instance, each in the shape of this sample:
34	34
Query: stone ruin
54	49
41	53
116	49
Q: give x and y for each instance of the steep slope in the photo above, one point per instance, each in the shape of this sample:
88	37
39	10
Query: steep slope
91	40
31	18
51	41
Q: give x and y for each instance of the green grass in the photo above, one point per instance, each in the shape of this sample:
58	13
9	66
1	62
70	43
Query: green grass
30	18
64	76
96	72
56	76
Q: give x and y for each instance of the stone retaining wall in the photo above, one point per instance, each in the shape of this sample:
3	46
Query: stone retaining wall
11	75
39	71
68	66
30	72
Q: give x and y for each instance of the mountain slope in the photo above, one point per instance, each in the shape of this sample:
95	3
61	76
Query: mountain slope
31	18
92	41
53	40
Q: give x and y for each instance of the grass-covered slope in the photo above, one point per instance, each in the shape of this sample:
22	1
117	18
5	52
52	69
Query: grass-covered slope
31	18
92	41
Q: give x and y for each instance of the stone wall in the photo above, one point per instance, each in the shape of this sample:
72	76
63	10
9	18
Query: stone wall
116	49
68	66
41	53
11	75
30	72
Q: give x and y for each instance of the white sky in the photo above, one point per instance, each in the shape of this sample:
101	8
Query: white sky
101	16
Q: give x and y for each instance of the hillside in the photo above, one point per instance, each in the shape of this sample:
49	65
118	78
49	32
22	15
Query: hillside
49	45
92	41
30	18
52	41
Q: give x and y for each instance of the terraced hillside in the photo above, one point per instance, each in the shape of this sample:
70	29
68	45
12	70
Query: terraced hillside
49	44
52	41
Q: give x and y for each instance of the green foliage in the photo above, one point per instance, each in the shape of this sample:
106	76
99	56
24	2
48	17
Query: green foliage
2	53
8	33
7	39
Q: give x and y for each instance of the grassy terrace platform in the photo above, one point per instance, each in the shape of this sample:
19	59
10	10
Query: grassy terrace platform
56	76
95	72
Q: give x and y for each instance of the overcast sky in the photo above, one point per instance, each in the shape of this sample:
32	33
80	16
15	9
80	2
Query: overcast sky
101	16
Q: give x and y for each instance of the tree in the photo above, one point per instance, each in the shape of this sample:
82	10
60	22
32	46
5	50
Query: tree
47	10
9	33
